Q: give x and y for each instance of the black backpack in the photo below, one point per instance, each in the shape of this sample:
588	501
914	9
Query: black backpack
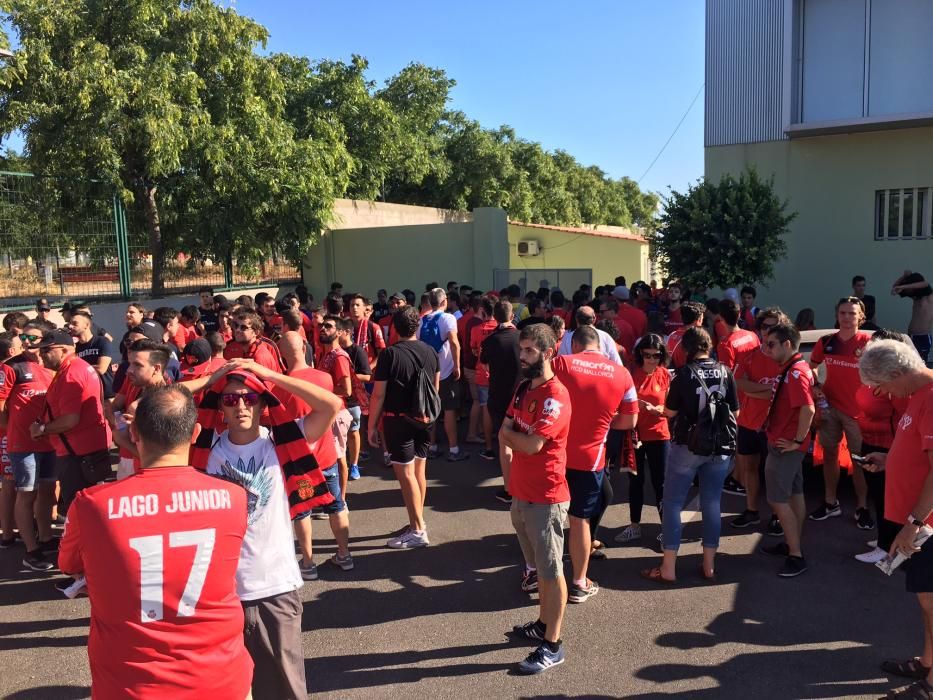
424	403
715	429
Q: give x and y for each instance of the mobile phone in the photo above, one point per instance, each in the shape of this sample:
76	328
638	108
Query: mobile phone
860	459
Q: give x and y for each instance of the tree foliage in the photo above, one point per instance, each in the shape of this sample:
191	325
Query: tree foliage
219	150
723	234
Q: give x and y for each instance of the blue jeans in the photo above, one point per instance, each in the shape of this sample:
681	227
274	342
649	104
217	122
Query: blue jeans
682	466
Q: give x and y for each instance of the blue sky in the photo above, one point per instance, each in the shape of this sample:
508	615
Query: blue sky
605	80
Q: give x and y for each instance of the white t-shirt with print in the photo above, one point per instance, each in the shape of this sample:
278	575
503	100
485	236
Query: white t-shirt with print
267	558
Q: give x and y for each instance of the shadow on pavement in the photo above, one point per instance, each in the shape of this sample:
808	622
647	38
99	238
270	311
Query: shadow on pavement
59	692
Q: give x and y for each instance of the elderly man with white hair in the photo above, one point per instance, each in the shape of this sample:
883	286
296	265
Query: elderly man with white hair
894	367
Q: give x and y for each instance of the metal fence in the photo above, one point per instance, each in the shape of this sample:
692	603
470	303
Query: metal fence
66	240
567	280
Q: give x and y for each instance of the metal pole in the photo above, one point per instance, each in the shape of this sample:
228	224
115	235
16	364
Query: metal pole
123	247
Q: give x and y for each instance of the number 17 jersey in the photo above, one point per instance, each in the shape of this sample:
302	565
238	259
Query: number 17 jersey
160	551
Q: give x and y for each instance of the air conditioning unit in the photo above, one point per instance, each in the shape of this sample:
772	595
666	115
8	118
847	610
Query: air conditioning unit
527	248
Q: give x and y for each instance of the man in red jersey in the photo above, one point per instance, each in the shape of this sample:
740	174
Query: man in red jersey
325	452
366	333
890	366
482	326
535	429
787	427
749	310
672	316
73	420
692	314
159	552
735	345
603	396
840	353
249	342
609	309
755	379
634	316
25	382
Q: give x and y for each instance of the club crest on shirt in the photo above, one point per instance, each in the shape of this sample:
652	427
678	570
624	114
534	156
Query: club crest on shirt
858	352
552	408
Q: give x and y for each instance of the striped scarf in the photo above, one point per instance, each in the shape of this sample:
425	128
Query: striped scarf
304	482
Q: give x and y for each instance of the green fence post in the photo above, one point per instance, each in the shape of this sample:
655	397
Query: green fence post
228	270
123	247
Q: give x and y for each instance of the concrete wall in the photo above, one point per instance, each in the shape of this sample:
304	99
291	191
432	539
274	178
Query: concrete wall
830	182
353	213
606	257
394	257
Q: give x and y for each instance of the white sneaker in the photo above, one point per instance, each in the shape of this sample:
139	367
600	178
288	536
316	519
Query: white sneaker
409	540
872	557
872	543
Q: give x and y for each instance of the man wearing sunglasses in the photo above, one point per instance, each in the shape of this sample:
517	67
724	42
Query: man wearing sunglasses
33	461
248	342
10	347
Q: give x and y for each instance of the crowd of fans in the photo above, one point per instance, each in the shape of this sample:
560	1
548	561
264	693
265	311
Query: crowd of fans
275	397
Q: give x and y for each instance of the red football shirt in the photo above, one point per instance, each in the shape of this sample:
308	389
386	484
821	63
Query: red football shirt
760	369
652	388
675	348
636	318
627	335
908	462
600	390
842	378
735	348
337	364
796	393
25	404
160	552
673	321
361	334
76	388
264	351
721	330
544	411
878	416
324	449
479	333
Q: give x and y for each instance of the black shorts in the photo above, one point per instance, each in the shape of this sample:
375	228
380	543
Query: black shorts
586	492
450	394
405	441
751	442
919	569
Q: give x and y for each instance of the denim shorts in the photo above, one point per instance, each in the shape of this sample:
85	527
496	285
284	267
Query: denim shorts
356	412
31	467
482	394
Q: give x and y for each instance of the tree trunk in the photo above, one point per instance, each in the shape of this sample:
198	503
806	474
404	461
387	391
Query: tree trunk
151	210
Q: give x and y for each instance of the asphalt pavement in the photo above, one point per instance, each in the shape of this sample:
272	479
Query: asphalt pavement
432	623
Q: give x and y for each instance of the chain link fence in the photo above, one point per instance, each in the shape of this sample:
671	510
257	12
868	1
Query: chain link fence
63	239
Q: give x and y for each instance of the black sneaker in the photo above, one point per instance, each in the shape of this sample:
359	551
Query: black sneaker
774	529
530	582
793	566
733	486
434	452
7	543
863	519
776	550
532	630
364	457
504	496
488	454
746	519
49	545
35	561
827	510
579	594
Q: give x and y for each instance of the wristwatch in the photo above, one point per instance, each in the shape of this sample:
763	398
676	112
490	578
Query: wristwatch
915	521
42	428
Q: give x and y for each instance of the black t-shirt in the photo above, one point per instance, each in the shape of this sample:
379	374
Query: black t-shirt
91	351
685	393
529	321
209	320
499	352
398	366
360	365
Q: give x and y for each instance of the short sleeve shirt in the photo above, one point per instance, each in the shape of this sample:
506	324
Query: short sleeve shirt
797	392
325	448
544	411
26	404
908	463
735	348
446	324
686	393
76	388
652	388
760	369
398	367
841	358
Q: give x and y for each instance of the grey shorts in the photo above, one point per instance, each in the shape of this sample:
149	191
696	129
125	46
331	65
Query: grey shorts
783	475
833	424
540	530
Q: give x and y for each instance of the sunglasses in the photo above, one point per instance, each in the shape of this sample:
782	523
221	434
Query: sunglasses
249	399
651	355
28	338
240	326
329	326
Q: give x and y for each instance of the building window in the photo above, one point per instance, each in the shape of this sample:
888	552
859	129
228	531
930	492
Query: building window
903	213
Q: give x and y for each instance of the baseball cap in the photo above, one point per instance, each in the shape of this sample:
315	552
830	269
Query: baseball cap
152	330
398	296
732	294
43	306
56	337
200	349
621	293
253	383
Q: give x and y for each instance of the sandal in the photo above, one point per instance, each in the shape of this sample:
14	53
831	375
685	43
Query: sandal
921	690
711	578
654	575
911	668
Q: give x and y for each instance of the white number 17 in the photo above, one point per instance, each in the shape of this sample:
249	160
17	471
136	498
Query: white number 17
151	567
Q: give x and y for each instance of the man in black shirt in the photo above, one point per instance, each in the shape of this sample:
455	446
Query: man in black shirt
362	373
96	350
399	366
538	314
208	312
500	352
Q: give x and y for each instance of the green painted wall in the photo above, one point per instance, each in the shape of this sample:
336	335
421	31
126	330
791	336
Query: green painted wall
830	181
396	257
606	257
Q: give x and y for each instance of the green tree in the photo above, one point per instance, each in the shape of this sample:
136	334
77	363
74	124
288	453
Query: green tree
723	234
169	102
